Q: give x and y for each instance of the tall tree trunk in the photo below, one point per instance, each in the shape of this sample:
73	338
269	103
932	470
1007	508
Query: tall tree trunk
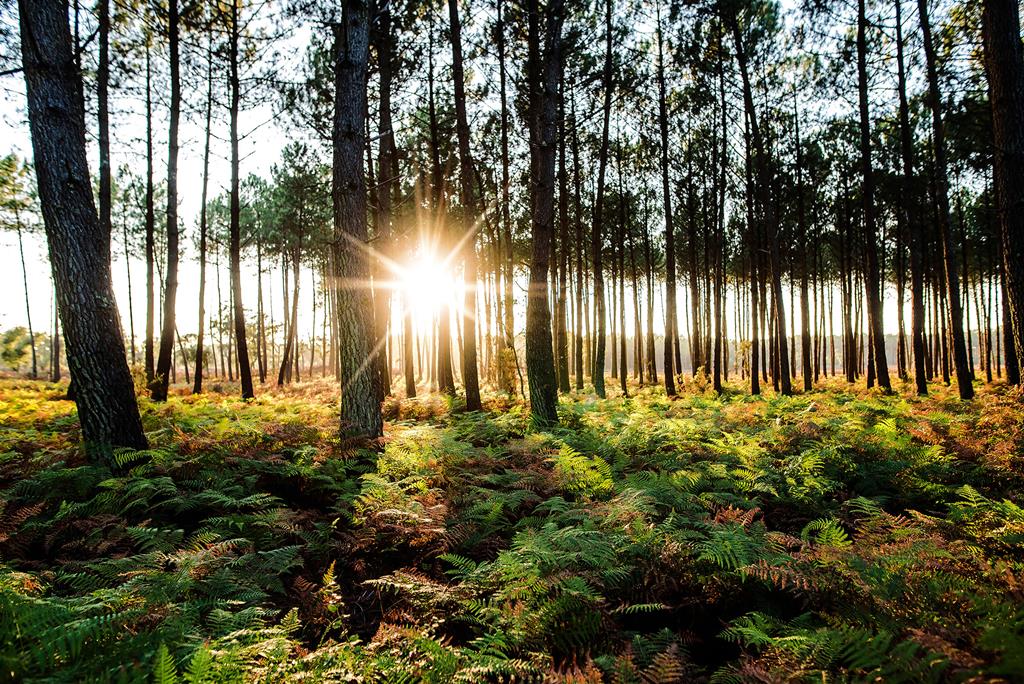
105	396
197	386
873	275
386	181
597	238
769	210
165	357
241	344
1004	65
261	331
150	226
561	334
103	117
470	212
580	251
805	309
544	77
909	207
670	249
956	319
360	410
24	280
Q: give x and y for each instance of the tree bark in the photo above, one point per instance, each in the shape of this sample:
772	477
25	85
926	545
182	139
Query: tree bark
360	410
544	76
107	408
1004	65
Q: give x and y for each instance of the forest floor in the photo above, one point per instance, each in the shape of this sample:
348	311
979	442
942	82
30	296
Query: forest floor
834	536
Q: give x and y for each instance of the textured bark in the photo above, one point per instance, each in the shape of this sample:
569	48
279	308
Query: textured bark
360	410
166	355
964	374
107	408
1004	65
470	212
545	74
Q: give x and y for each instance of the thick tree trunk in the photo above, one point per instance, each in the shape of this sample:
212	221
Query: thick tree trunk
544	77
107	408
1004	65
360	410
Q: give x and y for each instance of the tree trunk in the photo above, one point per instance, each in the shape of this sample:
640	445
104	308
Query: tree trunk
544	77
670	249
956	319
769	209
1004	65
597	238
103	118
197	386
150	227
873	274
24	280
104	394
241	344
561	334
909	206
470	376
165	358
360	410
386	181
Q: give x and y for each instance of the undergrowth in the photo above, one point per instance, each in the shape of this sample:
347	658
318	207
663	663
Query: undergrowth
831	536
